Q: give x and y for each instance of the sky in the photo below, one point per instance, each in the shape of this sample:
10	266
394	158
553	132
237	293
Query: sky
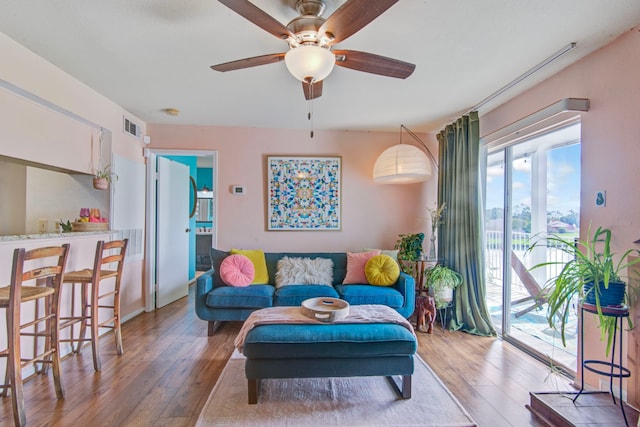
563	173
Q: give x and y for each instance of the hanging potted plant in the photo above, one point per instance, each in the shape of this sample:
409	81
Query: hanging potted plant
103	177
592	276
441	281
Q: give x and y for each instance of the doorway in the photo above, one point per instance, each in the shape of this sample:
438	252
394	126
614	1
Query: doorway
532	189
152	265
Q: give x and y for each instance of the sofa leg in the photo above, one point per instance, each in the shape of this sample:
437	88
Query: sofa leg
213	326
253	385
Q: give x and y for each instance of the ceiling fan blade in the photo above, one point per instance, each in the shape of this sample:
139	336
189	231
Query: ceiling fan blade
375	64
253	13
310	93
352	16
249	62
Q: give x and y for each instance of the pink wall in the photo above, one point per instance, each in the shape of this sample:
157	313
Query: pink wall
373	215
610	142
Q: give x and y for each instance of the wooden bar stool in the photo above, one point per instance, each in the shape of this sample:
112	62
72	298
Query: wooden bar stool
33	266
106	253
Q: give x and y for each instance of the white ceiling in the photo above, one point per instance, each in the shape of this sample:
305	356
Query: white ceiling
147	55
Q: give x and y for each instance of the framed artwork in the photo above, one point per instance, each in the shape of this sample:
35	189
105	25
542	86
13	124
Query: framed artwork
303	193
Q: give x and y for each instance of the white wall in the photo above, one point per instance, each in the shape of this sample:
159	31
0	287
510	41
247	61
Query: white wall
13	203
41	135
58	196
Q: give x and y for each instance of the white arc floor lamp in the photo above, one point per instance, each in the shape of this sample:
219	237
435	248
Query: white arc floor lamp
404	163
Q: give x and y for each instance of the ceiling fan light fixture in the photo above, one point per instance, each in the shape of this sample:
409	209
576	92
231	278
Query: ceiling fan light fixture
310	63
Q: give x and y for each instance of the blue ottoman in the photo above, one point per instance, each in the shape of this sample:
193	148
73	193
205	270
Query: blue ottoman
329	350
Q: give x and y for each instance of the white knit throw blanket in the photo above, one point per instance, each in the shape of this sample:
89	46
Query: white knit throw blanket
366	313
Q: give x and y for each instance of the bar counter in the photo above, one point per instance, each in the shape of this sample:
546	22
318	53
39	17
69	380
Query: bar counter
81	255
67	234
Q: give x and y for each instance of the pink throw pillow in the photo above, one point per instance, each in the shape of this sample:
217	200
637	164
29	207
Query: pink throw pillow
355	266
237	270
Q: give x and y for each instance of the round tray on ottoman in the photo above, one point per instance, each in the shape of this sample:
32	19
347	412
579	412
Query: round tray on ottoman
325	309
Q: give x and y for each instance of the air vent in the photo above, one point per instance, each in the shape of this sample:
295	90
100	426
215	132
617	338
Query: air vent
131	128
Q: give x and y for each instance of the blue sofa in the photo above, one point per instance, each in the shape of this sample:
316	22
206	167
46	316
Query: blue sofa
217	302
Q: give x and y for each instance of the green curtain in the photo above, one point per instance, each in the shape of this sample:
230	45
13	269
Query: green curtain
460	241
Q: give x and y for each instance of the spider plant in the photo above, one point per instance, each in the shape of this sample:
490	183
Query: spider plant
592	270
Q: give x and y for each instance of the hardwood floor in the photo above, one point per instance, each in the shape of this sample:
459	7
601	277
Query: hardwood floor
170	366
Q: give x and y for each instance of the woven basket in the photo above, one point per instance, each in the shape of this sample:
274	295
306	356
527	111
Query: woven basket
89	226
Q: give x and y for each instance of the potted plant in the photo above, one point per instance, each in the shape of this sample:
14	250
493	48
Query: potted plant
592	275
103	177
65	226
441	281
409	248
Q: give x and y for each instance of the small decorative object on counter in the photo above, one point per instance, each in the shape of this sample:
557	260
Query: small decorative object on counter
84	213
90	220
65	226
94	215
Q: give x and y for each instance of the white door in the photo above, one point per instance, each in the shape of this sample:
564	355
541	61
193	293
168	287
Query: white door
172	233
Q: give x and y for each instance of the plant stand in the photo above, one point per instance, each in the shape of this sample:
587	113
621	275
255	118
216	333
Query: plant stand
615	370
442	312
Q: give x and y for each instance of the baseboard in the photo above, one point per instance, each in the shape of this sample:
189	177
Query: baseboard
132	315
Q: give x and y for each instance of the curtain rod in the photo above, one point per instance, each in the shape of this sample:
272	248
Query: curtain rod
520	78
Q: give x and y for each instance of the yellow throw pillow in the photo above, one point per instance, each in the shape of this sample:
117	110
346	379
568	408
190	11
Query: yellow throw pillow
257	258
382	270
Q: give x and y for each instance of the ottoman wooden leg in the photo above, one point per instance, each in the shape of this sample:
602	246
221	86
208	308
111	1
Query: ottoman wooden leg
406	386
253	387
403	388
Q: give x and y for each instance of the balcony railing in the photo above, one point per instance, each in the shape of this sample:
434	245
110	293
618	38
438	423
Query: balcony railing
520	244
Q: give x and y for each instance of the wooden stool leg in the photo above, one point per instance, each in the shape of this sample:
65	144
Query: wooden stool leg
7	373
17	396
94	326
49	305
55	345
116	323
84	314
14	370
7	381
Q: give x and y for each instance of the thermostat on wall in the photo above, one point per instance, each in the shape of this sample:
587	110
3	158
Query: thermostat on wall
237	190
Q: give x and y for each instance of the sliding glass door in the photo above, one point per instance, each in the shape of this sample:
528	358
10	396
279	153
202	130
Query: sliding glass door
532	189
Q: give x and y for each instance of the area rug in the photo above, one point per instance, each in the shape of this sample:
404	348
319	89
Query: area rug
356	401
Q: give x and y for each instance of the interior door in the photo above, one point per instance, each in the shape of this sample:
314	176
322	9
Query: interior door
172	232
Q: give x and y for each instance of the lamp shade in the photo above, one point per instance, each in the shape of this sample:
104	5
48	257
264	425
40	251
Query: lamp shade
309	63
401	164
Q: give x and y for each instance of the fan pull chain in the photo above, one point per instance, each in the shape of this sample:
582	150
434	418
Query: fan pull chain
310	114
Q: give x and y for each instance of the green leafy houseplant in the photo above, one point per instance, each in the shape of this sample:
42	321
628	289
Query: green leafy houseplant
409	248
441	281
65	226
103	177
591	262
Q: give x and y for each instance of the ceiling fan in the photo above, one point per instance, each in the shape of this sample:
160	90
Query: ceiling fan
311	57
